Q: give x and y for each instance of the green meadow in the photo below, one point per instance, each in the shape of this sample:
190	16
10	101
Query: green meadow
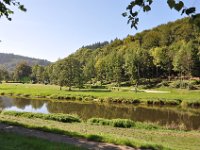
11	141
124	95
134	135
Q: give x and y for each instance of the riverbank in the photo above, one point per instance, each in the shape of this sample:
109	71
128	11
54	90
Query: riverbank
172	97
153	138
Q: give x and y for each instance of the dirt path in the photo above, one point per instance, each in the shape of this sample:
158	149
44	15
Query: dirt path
62	138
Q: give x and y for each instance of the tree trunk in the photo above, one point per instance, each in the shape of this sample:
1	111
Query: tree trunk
70	88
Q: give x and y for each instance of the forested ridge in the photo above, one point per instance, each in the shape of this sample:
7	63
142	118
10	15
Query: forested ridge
167	52
9	61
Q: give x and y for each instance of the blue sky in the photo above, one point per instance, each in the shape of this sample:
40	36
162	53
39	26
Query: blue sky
54	29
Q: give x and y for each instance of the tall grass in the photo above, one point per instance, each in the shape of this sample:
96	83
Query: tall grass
123	123
56	117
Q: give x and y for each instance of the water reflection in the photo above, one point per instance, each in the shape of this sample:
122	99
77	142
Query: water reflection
164	115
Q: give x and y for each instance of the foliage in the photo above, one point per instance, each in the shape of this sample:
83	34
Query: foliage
145	5
167	51
6	11
122	123
4	75
68	72
22	72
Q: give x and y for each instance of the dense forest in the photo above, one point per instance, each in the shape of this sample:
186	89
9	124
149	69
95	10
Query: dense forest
168	52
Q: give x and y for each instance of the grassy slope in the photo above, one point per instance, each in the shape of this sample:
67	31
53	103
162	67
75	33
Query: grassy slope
136	137
10	141
53	91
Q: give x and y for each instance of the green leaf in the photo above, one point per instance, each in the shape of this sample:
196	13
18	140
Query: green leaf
146	8
124	14
139	2
134	14
150	1
171	3
183	11
190	10
22	8
179	6
7	1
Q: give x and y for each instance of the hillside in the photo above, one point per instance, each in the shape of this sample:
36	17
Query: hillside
10	61
168	51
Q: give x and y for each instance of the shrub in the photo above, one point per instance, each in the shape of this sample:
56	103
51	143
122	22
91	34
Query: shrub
56	117
122	123
190	85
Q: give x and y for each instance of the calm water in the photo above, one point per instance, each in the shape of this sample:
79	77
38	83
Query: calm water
163	115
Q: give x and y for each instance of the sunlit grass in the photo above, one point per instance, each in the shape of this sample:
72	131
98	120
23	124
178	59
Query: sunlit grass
175	97
136	137
11	141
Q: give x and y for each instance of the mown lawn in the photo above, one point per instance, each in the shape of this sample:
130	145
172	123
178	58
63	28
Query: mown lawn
155	138
52	91
10	141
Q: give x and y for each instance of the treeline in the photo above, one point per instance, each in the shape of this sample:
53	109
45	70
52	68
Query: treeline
170	51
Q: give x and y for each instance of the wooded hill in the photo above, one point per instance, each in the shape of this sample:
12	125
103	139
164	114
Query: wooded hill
9	61
168	51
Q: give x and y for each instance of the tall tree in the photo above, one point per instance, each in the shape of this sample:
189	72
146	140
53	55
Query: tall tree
183	61
22	72
4	75
100	67
68	72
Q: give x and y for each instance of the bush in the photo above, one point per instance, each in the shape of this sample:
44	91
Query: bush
190	85
122	123
56	117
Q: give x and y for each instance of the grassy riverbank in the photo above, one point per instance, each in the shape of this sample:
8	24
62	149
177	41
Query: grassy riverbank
124	95
10	141
155	138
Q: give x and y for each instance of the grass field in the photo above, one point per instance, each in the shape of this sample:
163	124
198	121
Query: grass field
10	141
135	137
174	97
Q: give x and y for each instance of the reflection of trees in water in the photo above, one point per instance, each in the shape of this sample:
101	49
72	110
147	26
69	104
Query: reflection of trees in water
1	104
21	103
37	104
6	102
148	114
85	110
